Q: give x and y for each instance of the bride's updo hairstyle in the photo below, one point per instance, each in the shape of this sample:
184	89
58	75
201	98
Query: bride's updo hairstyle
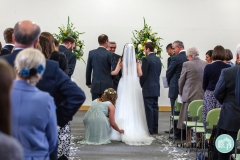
109	95
30	65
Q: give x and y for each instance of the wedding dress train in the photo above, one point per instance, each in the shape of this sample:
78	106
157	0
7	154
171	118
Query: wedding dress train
130	112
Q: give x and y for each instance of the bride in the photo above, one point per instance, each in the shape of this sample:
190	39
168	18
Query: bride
130	111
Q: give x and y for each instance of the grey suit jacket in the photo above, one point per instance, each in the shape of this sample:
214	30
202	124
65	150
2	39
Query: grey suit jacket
190	81
98	73
224	92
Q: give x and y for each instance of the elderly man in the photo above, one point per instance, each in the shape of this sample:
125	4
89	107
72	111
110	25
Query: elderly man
54	80
190	82
229	119
115	57
173	74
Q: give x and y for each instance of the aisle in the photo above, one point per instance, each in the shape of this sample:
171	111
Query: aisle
161	148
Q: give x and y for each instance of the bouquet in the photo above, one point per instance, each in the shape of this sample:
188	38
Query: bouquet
70	31
143	36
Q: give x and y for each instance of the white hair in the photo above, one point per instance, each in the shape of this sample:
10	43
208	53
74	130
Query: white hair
28	59
192	51
238	50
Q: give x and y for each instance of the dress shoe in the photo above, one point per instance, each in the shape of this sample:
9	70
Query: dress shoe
155	133
171	131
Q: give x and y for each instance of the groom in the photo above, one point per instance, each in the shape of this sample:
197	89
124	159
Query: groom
151	69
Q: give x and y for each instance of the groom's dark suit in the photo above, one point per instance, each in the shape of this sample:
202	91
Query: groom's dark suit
99	62
151	69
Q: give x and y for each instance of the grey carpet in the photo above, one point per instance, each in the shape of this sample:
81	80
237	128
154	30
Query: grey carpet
160	149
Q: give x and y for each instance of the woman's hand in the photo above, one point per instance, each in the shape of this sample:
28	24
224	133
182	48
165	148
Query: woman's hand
121	131
119	62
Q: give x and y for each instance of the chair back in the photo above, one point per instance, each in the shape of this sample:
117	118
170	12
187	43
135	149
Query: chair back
177	106
193	107
199	114
212	118
238	135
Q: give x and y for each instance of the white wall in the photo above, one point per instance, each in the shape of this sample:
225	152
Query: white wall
203	24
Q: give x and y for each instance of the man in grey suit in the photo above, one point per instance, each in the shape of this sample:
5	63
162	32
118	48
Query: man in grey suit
151	69
229	119
190	82
173	74
99	62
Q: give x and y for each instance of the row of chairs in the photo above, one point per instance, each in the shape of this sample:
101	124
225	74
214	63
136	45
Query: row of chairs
195	124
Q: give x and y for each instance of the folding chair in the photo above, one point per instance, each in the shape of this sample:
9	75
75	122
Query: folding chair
192	113
211	121
237	147
177	108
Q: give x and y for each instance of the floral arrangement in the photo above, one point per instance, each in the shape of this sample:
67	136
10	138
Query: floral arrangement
70	31
143	36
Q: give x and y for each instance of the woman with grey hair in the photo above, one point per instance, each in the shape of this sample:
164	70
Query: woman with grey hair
190	83
33	111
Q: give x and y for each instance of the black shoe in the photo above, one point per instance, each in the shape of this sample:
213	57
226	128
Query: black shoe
174	138
171	131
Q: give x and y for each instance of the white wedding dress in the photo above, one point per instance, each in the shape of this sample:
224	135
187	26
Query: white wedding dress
130	112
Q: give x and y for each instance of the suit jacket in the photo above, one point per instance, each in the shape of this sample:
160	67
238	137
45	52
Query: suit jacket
116	78
224	92
169	60
4	52
9	47
190	81
99	62
151	69
71	57
33	119
173	73
55	81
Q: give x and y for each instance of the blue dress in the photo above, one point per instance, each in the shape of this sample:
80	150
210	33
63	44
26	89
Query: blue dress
96	122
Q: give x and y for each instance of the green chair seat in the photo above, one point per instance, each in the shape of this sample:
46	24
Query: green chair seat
237	156
199	129
192	124
175	117
207	136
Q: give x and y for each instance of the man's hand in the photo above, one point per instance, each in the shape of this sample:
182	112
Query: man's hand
89	86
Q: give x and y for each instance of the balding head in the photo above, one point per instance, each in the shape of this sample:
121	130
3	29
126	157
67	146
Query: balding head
26	33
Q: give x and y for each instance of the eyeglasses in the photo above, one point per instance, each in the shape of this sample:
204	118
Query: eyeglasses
112	47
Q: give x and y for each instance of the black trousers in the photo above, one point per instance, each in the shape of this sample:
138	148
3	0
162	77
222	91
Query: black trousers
151	109
95	96
224	156
172	101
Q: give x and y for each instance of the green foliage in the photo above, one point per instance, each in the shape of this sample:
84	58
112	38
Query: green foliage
146	35
70	31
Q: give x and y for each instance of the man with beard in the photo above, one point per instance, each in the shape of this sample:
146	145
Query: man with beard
67	47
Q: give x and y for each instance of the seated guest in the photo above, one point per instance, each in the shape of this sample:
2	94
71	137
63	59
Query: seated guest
10	149
229	57
190	82
229	119
209	56
96	122
210	78
3	51
33	111
46	46
7	34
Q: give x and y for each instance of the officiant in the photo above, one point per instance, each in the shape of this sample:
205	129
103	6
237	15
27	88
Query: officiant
115	57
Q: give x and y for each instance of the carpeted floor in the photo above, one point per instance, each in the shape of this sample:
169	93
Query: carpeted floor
160	149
